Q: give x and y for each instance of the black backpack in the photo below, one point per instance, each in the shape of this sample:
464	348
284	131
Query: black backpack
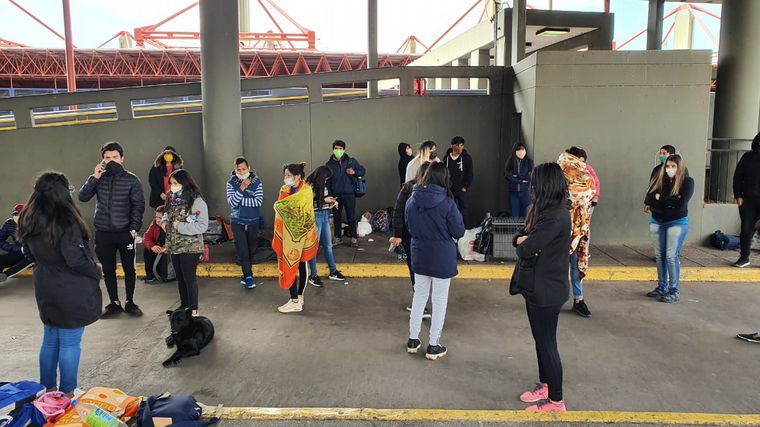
724	242
484	240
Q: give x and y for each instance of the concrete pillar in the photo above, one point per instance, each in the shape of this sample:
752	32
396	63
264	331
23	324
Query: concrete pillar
654	24
244	16
519	13
479	58
460	83
737	99
220	90
372	44
683	32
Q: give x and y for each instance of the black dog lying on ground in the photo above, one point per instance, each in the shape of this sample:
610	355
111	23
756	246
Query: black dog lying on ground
190	334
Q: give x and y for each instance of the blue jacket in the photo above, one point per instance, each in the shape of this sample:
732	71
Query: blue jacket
341	183
434	222
9	230
522	169
245	204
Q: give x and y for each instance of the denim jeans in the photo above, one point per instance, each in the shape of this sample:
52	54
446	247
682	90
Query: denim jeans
668	239
575	277
322	218
60	350
518	203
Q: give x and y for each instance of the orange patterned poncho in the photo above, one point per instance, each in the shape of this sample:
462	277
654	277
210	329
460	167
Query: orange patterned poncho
295	233
582	188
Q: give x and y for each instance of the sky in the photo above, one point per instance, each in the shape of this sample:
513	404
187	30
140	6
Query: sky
340	25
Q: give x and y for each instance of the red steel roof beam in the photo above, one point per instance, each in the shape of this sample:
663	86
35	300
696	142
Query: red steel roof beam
453	25
41	22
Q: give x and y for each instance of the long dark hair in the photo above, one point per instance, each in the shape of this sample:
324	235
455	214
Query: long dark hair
190	190
318	181
549	190
437	174
50	210
512	161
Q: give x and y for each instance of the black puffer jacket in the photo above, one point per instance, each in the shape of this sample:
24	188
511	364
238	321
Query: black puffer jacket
66	280
120	203
747	174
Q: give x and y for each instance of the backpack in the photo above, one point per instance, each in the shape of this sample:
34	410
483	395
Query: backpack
183	411
381	221
724	242
484	239
218	231
163	269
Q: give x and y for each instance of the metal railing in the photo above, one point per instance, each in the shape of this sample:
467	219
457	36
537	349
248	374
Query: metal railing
723	154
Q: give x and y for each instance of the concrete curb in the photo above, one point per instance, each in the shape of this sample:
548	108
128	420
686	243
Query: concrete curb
499	273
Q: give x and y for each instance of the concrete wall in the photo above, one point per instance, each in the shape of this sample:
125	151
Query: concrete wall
621	107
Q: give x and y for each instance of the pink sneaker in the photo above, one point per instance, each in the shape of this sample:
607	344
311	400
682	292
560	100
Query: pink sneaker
541	391
547	405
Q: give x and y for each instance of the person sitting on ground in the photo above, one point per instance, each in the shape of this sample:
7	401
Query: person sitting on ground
324	203
405	156
295	235
669	195
435	224
167	162
153	242
13	260
425	153
747	195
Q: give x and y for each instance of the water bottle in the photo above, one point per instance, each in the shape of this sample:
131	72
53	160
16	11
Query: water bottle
96	416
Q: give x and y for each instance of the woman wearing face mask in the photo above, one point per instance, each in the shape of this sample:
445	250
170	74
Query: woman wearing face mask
185	221
425	153
166	162
405	156
668	197
295	235
517	172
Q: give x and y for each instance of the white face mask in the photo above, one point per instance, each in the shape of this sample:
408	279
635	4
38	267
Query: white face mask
671	172
520	154
290	182
242	177
176	189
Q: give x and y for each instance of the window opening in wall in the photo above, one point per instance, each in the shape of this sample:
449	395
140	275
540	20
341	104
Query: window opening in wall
171	106
63	115
258	98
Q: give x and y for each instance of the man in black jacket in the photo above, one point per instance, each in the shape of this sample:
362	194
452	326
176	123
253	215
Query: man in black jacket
747	195
345	171
459	163
118	217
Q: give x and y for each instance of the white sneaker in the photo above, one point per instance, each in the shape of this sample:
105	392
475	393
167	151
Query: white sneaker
300	300
292	306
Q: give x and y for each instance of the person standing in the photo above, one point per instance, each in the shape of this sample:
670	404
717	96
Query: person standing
13	261
668	196
185	221
167	162
154	241
66	279
245	195
666	151
295	235
582	190
747	195
459	163
119	210
517	172
541	277
435	224
323	206
345	171
405	156
425	153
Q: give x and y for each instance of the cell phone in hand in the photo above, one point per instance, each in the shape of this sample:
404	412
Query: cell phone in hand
391	248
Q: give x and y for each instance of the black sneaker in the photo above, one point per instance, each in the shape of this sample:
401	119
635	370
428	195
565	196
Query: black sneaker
111	310
412	346
149	279
755	337
657	293
337	275
132	309
409	308
741	263
435	352
316	281
426	314
581	309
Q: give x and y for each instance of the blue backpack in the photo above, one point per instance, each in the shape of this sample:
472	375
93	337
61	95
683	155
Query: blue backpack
724	242
184	411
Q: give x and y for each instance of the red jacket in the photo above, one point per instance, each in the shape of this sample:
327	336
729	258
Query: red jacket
153	235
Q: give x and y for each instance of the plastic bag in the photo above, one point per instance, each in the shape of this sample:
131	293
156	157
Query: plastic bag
466	243
363	228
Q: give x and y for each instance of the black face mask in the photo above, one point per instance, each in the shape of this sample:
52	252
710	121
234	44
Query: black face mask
433	156
113	168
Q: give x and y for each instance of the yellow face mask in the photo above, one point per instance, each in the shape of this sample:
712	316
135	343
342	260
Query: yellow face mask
168	157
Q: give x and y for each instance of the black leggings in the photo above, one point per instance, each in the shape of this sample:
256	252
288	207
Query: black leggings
543	325
300	284
185	266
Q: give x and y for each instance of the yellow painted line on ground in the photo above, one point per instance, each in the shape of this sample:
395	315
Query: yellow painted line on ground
582	417
490	271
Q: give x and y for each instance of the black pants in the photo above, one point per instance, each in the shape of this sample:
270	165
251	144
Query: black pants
185	266
543	325
300	284
406	242
150	258
349	204
750	214
13	263
460	197
107	244
246	240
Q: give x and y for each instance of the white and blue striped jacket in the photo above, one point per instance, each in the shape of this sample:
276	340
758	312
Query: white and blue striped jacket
245	204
